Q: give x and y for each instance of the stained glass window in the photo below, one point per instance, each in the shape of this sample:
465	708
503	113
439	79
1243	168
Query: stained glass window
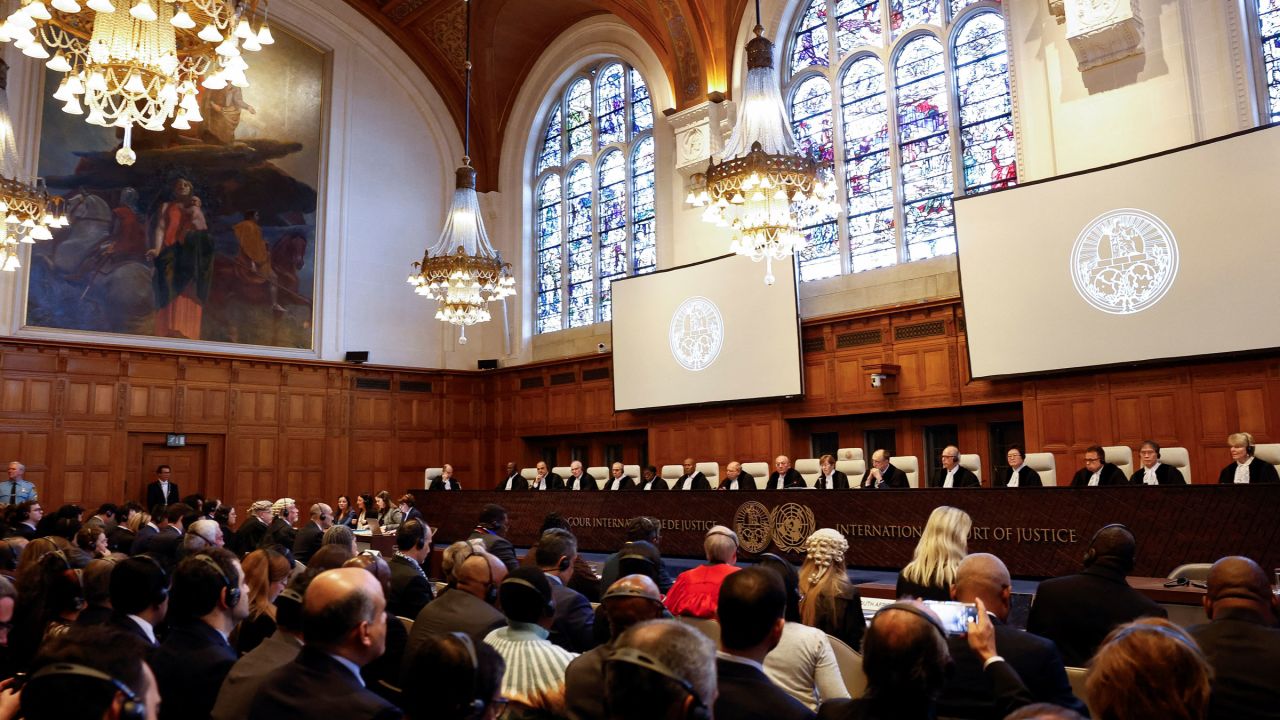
898	92
595	196
1269	33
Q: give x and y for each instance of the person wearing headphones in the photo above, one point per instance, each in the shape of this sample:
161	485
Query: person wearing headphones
534	680
208	599
1152	471
696	591
1077	611
455	678
660	669
1151	668
467	607
491	530
1245	469
139	597
90	673
410	589
249	672
572	628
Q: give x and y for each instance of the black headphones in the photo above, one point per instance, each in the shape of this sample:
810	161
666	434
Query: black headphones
164	579
1177	637
631	656
1091	555
490	590
133	708
477	704
549	608
232	589
910	608
564	564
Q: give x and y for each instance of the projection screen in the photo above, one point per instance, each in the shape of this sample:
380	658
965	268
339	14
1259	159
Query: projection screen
1173	255
707	332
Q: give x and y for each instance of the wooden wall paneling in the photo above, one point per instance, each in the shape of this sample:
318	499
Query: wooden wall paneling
31	445
563	408
27	396
86	467
305	470
256	462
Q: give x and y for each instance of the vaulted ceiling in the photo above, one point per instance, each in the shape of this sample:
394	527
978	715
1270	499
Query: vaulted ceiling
693	39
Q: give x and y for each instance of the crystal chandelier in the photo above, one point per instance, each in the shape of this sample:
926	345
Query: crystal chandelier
462	270
131	63
764	182
27	211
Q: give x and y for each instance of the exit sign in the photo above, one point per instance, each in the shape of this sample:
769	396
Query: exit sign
175	440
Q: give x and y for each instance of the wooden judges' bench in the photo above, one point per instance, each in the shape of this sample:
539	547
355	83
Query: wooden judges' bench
1038	532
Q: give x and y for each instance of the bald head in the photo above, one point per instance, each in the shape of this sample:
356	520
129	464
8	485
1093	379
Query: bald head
344	612
983	575
1236	582
904	655
478	573
631	600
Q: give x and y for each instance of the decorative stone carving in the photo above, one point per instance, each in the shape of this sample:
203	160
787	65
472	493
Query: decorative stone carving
1058	10
1103	31
700	131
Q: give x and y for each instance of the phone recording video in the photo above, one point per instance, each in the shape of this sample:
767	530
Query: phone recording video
955	616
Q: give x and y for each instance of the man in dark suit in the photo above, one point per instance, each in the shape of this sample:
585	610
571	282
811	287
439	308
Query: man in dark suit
692	479
209	598
467	607
1017	474
344	623
139	590
883	474
446	480
619	479
61	695
161	491
659	669
250	671
282	531
514	480
952	475
735	479
751	606
829	478
164	542
642	531
571	627
966	693
545	479
26	516
1097	472
649	479
1077	611
578	478
1241	641
490	530
254	528
311	535
410	589
1153	472
783	475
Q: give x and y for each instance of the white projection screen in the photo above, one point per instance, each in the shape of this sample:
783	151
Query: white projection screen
1170	256
703	333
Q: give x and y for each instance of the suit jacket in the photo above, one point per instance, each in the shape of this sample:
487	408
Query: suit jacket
1026	477
124	623
498	547
1007	688
571	628
839	481
249	672
699	482
410	590
892	477
553	482
791	479
454	611
1077	611
586	483
438	484
120	539
250	534
964	478
307	542
746	693
156	497
280	533
316	685
1260	471
1111	475
969	694
657	483
745	482
142	540
583	680
190	666
24	530
517	482
628	483
1165	475
1244	652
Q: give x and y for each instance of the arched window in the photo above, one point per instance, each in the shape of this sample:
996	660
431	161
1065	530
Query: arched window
915	94
1268	12
594	202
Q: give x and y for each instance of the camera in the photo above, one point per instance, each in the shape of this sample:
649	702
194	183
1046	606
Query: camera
877	379
600	348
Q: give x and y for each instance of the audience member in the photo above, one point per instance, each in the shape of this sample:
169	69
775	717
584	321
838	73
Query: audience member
139	597
8	602
952	475
933	565
534	679
251	533
338	535
202	535
884	474
93	541
311	536
829	601
282	531
344	622
10	550
640	529
49	599
90	674
1241	641
455	679
696	591
453	555
104	519
1149	668
1044	711
265	573
1097	472
166	540
631	600
1244	467
1153	472
803	664
1077	611
382	674
1037	661
209	598
125	533
96	581
571	627
225	516
249	672
410	588
783	475
660	669
584	579
1018	474
491	528
468	607
752	606
330	557
25	518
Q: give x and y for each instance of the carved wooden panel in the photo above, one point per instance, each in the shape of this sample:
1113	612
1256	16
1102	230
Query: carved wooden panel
305	470
256	406
563	406
86	467
151	402
26	396
305	409
90	400
255	466
371	411
371	463
418	411
204	405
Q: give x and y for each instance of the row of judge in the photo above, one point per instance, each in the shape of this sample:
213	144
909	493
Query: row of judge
1244	468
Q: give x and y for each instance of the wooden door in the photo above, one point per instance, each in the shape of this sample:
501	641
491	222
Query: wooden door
188	464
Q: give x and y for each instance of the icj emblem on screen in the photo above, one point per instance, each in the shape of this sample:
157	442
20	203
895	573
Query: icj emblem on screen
1124	261
696	333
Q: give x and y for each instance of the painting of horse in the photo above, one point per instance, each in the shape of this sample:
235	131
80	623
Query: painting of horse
210	235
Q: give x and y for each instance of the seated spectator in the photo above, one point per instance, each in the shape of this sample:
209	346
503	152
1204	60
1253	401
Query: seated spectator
96	579
202	535
282	530
584	579
64	523
410	589
534	679
310	536
1149	668
1077	611
52	693
629	601
468	607
10	550
803	664
453	556
1244	468
225	516
830	602
330	557
1044	711
93	541
344	621
105	517
639	529
572	625
265	572
338	535
942	546
1241	641
660	669
254	529
139	597
382	674
491	529
249	672
456	679
8	602
1037	661
49	599
120	538
752	607
696	591
26	515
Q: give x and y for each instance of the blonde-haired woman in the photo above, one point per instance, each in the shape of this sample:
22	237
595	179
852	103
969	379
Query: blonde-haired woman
943	544
1245	469
828	601
266	572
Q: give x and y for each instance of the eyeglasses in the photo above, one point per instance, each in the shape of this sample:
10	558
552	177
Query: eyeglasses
1091	460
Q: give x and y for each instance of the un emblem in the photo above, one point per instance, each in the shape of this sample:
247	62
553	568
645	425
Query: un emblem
792	525
1124	261
753	526
696	333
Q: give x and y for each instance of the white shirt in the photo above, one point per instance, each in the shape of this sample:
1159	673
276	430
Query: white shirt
950	480
649	485
615	484
1095	478
688	483
804	665
1013	477
1242	474
1149	474
540	483
147	629
722	655
830	480
577	482
164	489
733	484
448	484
